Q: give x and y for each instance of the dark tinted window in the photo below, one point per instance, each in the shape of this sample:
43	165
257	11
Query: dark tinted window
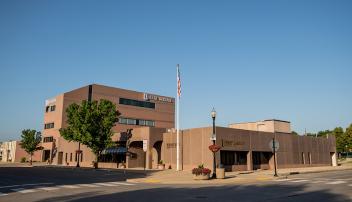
137	103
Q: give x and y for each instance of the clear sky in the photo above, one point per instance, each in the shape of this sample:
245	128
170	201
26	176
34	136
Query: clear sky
251	60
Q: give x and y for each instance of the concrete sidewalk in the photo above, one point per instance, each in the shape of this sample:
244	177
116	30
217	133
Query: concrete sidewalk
186	177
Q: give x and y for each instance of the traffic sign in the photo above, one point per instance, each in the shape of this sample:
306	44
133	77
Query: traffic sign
213	137
271	145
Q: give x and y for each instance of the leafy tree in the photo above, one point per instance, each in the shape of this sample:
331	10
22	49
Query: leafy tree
90	123
324	133
30	142
294	133
340	139
348	138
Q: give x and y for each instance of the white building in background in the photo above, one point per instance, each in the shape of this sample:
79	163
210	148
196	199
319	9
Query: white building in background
8	151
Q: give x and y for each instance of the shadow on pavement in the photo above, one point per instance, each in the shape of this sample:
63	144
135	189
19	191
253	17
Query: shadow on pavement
64	176
224	193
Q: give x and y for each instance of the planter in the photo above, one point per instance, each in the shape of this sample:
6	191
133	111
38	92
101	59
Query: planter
220	173
201	177
161	166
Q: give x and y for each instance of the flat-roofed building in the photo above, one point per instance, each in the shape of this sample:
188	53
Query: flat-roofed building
270	125
138	110
248	149
12	152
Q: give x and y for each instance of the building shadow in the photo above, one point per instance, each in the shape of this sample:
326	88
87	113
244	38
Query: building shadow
256	193
65	176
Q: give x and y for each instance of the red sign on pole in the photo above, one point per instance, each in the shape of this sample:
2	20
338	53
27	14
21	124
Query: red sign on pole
214	148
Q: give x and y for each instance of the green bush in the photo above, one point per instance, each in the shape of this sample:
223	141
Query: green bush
23	159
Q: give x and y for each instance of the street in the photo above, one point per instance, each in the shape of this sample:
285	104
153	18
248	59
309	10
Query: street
70	184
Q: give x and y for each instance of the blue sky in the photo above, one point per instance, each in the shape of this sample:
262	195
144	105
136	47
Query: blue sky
251	60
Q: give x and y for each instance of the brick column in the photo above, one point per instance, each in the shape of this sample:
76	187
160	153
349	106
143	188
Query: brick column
249	161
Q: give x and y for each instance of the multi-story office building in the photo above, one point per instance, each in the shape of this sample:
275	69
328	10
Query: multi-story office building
152	112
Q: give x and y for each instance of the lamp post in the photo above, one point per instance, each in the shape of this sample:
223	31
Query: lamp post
213	116
78	154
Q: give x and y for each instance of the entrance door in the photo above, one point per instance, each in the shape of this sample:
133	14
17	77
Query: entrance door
59	161
46	155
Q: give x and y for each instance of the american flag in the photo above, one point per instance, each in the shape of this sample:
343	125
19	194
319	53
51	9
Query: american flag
178	81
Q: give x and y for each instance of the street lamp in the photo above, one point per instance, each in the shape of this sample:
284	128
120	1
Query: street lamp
213	116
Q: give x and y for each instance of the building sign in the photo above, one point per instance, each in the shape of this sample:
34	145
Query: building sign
232	143
171	145
145	145
148	96
50	101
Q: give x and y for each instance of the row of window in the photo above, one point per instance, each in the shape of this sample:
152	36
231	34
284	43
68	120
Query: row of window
50	108
76	157
139	122
48	139
49	125
137	103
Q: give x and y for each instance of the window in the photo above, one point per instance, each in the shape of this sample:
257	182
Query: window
52	108
70	157
76	157
122	120
131	122
150	123
137	103
81	156
48	125
48	139
66	157
47	109
140	122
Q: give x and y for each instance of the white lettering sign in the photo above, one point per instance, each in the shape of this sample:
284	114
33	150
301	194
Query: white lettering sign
157	98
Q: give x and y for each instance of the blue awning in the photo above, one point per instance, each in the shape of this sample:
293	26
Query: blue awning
115	150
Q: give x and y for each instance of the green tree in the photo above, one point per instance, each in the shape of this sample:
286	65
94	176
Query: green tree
294	133
348	138
90	123
340	138
30	142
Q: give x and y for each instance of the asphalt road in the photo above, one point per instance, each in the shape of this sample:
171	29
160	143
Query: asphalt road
62	184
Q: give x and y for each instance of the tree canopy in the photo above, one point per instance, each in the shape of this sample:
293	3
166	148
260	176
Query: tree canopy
30	142
90	123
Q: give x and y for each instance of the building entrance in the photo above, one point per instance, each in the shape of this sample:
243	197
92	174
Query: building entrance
234	160
261	160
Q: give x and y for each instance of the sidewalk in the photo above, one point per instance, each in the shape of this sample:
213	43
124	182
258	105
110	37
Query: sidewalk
186	177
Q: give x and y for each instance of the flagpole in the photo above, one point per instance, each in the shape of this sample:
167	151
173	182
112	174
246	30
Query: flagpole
177	121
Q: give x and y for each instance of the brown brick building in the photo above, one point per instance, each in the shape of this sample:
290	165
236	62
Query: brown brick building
244	146
147	111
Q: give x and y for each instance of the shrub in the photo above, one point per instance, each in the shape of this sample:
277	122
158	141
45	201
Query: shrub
161	162
23	159
201	170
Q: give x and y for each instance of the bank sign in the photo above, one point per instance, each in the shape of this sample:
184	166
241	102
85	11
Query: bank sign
148	96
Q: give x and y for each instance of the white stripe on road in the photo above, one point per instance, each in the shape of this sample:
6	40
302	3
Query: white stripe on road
299	181
122	183
350	185
87	185
23	185
336	182
283	180
319	181
3	194
48	188
105	184
23	190
68	186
